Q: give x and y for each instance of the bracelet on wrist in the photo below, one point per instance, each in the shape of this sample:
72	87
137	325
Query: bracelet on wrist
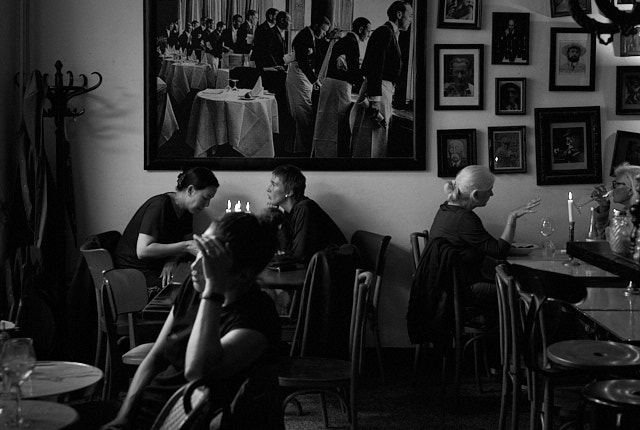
214	297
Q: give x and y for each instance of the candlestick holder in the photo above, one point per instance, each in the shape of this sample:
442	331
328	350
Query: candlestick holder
572	261
632	290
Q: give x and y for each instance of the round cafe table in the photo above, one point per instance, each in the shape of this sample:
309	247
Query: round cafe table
61	381
40	415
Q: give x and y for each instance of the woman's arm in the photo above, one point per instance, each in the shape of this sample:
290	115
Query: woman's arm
148	247
152	364
510	228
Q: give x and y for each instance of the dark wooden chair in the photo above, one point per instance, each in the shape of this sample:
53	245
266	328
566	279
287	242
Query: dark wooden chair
373	249
187	409
307	374
418	241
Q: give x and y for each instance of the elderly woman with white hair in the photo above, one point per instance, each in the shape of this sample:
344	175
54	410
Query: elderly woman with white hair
623	192
456	221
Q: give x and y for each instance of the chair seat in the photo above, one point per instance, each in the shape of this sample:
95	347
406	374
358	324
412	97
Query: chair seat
621	393
136	355
303	371
594	354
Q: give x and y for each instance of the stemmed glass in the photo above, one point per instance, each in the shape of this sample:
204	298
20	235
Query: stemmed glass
17	361
233	83
598	193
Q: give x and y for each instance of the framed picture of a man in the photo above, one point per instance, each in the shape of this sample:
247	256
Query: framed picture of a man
568	145
511	96
572	65
630	45
561	7
459	14
458	77
456	149
628	90
507	152
510	38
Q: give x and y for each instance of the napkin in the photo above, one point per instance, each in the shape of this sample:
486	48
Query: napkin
257	88
193	57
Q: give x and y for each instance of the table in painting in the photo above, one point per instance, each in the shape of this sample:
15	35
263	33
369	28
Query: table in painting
182	76
169	123
220	117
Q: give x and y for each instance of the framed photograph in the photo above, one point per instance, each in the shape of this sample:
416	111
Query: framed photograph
627	90
191	119
568	145
626	148
458	79
630	45
572	65
507	149
511	96
456	150
459	14
510	38
561	7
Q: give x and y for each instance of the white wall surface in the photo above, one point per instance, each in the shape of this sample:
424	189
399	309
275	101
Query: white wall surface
107	142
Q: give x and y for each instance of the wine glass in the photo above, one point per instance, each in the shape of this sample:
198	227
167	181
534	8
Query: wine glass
234	84
17	361
547	227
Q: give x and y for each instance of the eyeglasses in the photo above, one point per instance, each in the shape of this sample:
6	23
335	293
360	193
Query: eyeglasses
614	184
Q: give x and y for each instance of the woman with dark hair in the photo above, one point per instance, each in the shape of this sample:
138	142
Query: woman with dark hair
222	328
160	231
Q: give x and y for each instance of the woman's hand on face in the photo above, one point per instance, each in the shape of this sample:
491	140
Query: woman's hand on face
216	262
167	272
526	209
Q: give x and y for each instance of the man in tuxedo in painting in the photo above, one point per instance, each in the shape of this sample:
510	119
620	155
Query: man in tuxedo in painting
196	37
381	67
230	40
185	40
246	32
261	37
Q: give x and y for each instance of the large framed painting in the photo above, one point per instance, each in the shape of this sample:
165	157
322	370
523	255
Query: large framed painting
628	90
568	145
214	97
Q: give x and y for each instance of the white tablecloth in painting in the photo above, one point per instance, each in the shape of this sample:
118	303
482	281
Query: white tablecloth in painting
169	122
184	76
221	117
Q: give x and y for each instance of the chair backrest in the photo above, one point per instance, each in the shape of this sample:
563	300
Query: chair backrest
510	317
373	251
188	408
124	292
416	250
324	307
362	285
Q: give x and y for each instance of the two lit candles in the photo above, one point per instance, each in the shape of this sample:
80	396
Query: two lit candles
237	207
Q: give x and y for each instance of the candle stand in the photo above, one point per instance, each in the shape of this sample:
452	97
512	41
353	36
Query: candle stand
632	289
572	261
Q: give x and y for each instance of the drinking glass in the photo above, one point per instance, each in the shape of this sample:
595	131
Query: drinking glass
597	193
17	360
233	83
547	227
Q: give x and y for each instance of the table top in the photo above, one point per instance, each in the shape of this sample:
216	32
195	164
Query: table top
40	415
61	381
599	254
624	325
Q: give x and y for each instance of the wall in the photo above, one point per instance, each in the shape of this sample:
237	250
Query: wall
107	142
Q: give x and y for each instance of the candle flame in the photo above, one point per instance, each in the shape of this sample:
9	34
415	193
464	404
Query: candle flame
570	196
248	207
238	207
229	204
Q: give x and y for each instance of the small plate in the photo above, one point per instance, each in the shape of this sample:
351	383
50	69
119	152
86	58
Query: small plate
522	248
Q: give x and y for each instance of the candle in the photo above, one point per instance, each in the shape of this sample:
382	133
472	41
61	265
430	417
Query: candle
238	207
570	206
228	206
248	210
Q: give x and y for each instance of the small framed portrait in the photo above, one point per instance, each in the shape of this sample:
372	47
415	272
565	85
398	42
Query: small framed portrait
507	151
459	14
510	38
458	77
568	145
630	45
456	150
627	90
626	148
573	60
511	96
561	7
